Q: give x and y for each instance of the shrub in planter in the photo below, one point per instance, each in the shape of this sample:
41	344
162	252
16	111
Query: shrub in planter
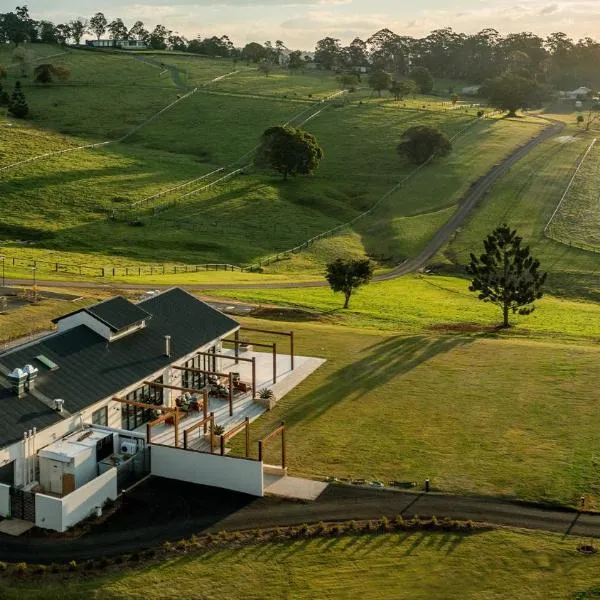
266	398
352	526
384	524
371	526
321	529
399	521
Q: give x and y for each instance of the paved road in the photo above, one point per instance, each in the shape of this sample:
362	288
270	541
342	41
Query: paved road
187	509
411	265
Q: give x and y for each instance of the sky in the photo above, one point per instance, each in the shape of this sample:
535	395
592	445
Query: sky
300	23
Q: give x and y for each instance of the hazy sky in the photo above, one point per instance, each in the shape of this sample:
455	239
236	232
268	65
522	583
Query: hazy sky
299	23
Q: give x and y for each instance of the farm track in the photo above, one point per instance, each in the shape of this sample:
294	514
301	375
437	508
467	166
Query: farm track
161	510
411	265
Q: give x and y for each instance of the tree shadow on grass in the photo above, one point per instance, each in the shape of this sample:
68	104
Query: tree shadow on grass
375	366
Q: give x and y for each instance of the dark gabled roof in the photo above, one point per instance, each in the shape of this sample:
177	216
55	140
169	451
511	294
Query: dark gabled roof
91	368
117	313
22	414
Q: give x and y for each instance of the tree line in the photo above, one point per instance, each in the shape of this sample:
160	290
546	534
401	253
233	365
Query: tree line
556	60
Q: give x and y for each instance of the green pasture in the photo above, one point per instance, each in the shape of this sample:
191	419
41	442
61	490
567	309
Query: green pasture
525	198
413	565
473	411
577	222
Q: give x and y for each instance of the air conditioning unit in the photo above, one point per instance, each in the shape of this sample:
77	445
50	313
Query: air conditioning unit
128	447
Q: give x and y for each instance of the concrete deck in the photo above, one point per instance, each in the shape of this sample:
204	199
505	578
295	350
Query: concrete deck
243	403
15	527
293	487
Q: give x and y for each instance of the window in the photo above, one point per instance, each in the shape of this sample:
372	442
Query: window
133	417
100	416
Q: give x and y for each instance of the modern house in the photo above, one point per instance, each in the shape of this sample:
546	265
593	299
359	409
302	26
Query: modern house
121	390
65	382
127	44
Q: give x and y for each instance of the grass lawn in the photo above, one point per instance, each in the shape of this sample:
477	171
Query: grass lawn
526	198
412	566
577	221
476	413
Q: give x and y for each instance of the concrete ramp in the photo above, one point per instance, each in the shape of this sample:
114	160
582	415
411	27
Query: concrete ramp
293	488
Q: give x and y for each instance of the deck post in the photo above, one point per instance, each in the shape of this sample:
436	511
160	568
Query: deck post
247	437
148	433
254	377
292	348
185	440
176	421
222	445
230	394
260	450
283	457
237	346
274	362
212	431
205	408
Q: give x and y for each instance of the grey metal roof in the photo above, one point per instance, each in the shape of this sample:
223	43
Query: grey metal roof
18	415
116	313
91	368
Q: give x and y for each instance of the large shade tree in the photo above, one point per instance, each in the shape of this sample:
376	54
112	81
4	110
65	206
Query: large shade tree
510	92
348	275
421	143
506	274
289	151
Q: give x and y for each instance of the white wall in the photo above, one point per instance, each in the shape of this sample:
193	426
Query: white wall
4	500
83	318
238	474
61	513
48	512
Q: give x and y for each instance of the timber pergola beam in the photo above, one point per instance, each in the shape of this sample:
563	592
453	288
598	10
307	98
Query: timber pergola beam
172	412
262	444
249	360
289	334
273	346
216	373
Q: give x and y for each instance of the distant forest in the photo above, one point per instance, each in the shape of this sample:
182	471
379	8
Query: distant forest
556	60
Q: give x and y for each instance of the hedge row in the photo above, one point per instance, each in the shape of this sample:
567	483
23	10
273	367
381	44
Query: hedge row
236	539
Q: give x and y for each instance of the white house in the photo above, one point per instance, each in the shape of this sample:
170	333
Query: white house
578	94
64	440
127	44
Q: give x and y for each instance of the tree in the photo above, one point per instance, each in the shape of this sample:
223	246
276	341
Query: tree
327	52
117	30
348	80
506	274
593	115
510	92
580	120
157	38
4	97
423	78
379	80
266	67
254	52
79	26
47	32
98	24
44	73
23	58
63	33
289	151
138	32
348	275
18	105
402	88
177	42
295	60
421	143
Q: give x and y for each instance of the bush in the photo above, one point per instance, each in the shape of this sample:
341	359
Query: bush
3	566
480	113
72	565
40	569
20	567
321	528
399	521
422	143
384	524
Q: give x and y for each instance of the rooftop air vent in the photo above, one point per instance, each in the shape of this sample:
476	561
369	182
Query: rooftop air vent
32	373
18	379
58	405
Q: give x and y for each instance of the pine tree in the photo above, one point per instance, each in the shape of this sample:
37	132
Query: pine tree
506	274
18	106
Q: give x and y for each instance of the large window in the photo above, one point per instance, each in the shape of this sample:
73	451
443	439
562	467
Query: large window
133	417
100	416
189	379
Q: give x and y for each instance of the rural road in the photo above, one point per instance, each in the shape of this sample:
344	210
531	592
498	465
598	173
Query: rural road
160	510
443	235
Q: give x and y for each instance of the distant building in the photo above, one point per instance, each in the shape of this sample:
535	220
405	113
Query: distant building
471	90
578	94
124	44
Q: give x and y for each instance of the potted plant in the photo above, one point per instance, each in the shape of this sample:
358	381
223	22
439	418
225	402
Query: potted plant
266	398
217	433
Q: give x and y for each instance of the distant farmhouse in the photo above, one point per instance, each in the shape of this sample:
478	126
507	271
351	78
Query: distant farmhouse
123	44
